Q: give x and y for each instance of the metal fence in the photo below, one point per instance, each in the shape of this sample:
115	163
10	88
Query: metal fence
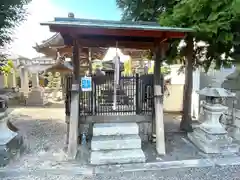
134	95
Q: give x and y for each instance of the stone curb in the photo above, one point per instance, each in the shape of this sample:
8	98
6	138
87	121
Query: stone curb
77	169
153	166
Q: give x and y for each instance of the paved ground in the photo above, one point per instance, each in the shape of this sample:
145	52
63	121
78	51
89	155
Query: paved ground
230	173
44	129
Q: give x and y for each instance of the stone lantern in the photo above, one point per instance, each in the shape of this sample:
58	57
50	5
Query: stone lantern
210	136
11	143
232	118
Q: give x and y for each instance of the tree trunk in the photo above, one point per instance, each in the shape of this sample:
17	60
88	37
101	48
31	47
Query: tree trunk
186	121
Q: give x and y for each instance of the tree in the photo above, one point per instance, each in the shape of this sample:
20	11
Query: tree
128	67
143	10
215	24
7	67
12	13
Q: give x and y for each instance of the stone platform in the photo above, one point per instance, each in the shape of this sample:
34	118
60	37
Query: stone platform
213	143
36	97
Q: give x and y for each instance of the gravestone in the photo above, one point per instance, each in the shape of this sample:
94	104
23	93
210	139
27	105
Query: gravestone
36	96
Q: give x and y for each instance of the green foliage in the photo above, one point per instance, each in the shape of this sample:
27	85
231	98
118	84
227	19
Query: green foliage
96	65
128	67
12	13
143	10
215	23
165	70
7	68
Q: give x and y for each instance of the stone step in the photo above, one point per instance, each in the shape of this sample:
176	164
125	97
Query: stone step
115	142
117	156
108	129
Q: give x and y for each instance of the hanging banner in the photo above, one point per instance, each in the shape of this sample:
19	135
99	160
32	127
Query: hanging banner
86	83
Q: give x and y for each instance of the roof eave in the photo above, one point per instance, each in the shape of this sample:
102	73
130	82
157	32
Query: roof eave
74	25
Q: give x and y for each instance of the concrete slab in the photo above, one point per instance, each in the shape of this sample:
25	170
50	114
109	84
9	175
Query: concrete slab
198	163
108	129
117	156
131	141
232	161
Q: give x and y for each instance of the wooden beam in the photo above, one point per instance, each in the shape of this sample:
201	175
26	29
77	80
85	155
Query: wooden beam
106	41
112	43
107	31
97	53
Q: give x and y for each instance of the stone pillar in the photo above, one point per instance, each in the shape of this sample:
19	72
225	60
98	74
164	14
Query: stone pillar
158	100
159	124
24	81
35	80
195	96
74	108
2	84
12	79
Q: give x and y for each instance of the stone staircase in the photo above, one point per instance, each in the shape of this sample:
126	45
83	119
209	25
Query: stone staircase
116	143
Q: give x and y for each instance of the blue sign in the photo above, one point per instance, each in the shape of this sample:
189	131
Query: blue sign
86	83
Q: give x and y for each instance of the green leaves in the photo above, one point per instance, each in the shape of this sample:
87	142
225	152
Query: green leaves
12	12
215	23
142	10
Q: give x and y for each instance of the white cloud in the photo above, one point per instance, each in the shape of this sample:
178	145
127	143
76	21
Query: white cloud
31	32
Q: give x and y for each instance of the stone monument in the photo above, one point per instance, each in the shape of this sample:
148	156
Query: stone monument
11	143
232	118
210	136
36	96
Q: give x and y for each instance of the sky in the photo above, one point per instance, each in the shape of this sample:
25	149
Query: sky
30	32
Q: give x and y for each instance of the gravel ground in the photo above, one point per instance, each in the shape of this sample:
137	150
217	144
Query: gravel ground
44	130
217	173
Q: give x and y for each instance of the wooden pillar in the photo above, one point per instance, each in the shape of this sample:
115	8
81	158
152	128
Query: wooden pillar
90	60
74	109
92	97
158	124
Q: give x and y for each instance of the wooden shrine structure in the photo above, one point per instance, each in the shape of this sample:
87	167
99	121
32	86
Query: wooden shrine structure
80	34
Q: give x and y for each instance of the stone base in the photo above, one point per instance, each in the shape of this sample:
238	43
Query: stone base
234	132
213	143
36	97
11	143
117	156
11	150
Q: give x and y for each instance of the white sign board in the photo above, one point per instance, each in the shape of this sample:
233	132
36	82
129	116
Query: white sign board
86	83
75	87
